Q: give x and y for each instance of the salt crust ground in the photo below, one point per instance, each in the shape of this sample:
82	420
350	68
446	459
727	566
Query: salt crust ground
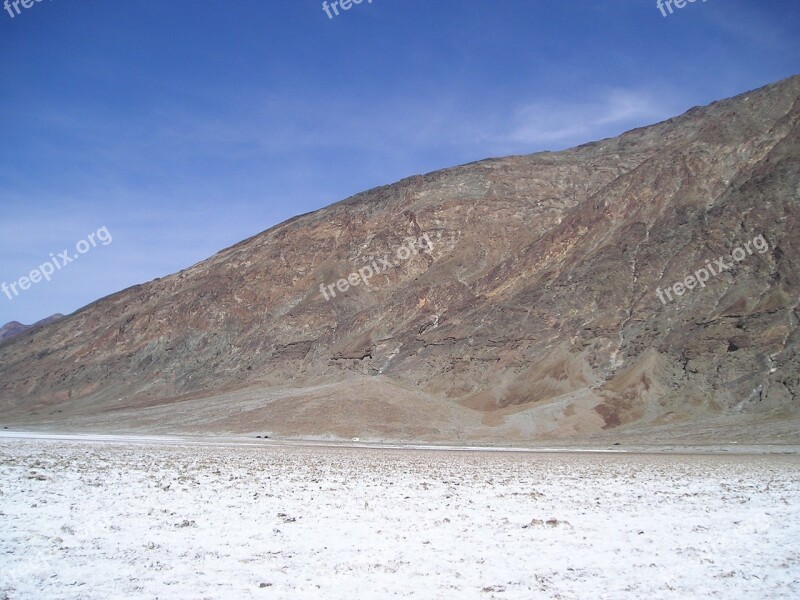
155	520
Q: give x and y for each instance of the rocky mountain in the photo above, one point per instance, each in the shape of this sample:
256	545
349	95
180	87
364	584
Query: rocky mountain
14	328
596	293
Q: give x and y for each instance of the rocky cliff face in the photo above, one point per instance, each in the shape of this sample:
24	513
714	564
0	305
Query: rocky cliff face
512	299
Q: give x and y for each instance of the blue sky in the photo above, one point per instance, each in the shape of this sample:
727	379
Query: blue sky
185	126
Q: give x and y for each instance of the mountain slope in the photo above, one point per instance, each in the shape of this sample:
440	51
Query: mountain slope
533	315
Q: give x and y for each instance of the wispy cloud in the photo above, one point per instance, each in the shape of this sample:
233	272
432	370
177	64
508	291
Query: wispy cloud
561	124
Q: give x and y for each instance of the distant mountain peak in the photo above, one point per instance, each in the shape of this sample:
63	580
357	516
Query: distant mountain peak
15	328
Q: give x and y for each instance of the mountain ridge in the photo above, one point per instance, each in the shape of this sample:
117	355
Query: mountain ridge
15	328
533	317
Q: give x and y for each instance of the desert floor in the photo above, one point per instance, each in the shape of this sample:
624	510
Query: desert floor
124	518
